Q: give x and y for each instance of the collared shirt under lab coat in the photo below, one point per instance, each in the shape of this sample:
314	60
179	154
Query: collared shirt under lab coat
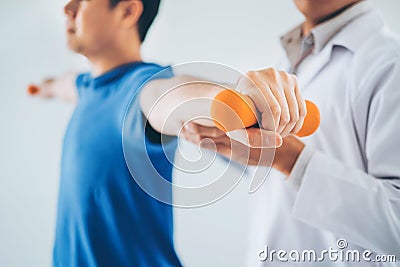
350	187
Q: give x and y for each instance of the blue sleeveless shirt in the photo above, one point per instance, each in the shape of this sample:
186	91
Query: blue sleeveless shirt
104	218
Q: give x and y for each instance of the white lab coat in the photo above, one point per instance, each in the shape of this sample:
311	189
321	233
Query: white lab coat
350	188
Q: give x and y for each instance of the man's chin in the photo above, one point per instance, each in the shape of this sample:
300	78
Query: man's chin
73	46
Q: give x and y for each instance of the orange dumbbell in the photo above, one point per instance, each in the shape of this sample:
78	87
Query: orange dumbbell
231	110
32	90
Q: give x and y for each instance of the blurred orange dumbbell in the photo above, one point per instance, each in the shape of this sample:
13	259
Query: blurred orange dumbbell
33	90
231	110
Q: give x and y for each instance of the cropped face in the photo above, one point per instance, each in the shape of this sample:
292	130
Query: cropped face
317	9
91	26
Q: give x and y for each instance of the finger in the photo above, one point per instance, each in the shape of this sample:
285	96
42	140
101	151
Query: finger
221	148
269	107
302	107
264	100
274	81
288	84
197	138
204	131
204	141
223	139
256	138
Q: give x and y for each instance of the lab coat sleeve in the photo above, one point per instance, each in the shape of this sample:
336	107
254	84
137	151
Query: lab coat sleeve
297	173
361	206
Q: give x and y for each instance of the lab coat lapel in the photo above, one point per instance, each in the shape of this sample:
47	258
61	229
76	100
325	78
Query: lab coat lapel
316	65
348	37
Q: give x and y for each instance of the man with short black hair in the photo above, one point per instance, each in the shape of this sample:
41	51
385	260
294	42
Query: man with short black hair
104	218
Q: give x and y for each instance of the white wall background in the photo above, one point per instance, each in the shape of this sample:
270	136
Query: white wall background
241	34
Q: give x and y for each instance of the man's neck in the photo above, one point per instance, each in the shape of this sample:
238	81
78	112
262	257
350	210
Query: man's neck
312	22
103	65
120	53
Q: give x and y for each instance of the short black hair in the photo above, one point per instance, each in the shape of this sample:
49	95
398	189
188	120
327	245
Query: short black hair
150	10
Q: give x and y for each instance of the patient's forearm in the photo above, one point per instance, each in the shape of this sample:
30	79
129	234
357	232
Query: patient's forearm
169	103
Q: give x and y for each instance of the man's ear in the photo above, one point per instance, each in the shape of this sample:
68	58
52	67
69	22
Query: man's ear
130	12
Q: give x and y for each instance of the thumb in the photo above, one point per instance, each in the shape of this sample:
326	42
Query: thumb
256	138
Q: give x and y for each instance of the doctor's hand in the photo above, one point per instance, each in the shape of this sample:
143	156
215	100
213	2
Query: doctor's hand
277	97
262	143
282	158
286	153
